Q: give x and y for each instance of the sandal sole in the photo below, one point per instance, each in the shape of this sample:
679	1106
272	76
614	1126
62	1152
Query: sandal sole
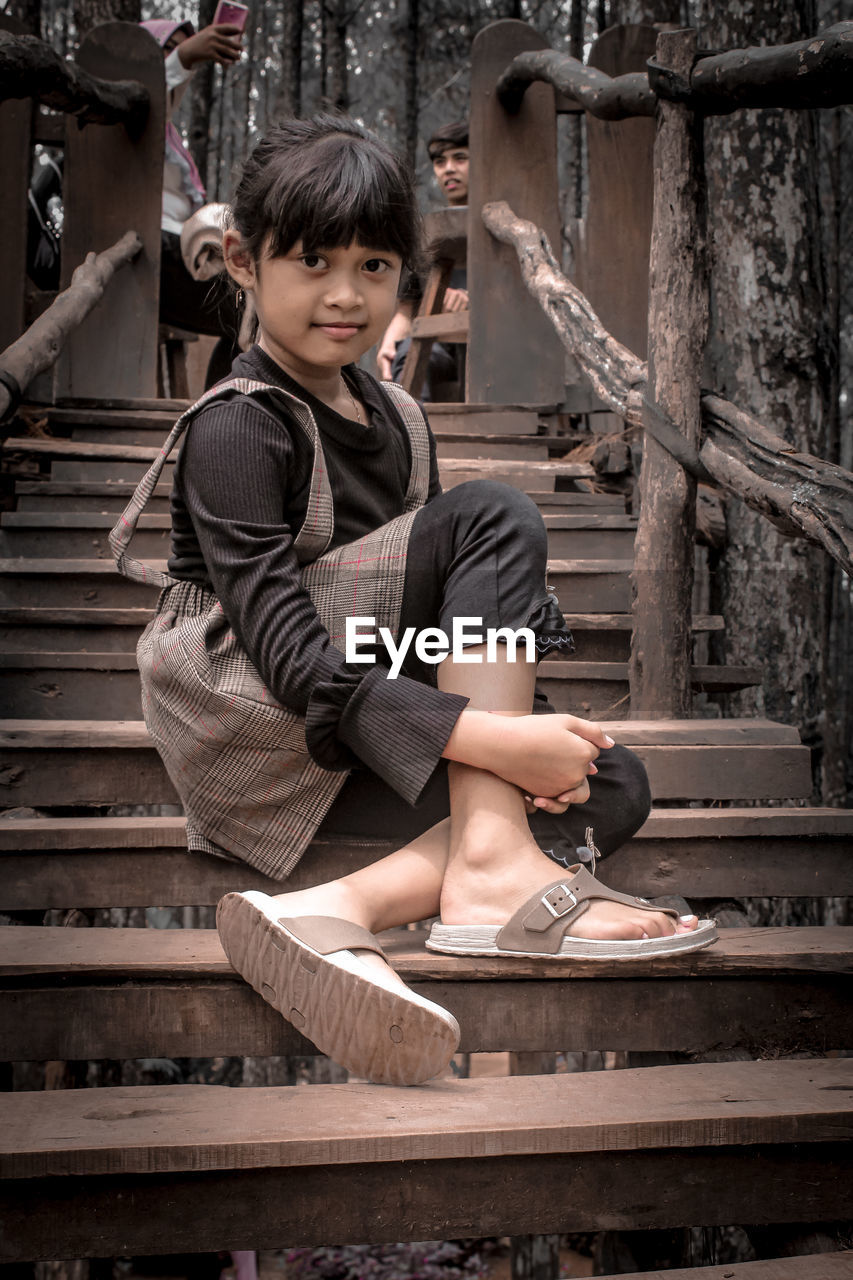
388	1036
479	940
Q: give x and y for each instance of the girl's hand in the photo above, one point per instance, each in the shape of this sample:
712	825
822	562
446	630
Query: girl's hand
559	804
547	756
212	44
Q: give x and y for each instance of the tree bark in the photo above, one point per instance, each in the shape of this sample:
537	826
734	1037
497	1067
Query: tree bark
38	348
202	101
662	578
412	33
290	93
30	68
337	94
769	349
92	13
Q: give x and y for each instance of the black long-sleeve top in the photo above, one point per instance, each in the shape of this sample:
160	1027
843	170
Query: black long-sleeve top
239	498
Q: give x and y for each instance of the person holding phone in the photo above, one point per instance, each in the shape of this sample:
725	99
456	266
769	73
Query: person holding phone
185	303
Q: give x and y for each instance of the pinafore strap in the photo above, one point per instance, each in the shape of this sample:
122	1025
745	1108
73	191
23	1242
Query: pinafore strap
316	532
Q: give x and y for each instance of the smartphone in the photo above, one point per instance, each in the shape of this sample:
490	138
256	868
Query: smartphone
231	14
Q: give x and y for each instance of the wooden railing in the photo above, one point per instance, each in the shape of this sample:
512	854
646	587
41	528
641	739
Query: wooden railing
690	433
113	103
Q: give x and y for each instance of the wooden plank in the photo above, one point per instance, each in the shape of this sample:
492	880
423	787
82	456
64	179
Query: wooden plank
423	1199
111	862
115	349
452	327
172	1129
37	767
117	955
613	266
171	993
15	162
70	584
678	327
513	351
820	1266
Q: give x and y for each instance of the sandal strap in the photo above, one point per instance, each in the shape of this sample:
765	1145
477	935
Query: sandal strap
328	933
540	924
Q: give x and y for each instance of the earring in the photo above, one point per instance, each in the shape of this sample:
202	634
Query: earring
239	300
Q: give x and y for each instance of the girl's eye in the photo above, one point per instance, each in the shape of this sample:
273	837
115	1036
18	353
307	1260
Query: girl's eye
312	260
376	265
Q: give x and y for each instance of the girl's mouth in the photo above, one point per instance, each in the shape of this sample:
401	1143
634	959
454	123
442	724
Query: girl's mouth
340	331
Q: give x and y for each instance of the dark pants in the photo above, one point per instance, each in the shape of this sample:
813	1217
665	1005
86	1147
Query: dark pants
199	306
480	551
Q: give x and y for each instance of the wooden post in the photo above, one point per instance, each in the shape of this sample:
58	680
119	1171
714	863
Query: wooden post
113	183
678	321
514	357
534	1257
15	164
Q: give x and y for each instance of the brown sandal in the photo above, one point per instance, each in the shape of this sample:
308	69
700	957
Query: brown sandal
309	969
539	928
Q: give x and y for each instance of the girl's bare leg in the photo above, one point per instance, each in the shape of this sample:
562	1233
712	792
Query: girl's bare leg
479	865
494	865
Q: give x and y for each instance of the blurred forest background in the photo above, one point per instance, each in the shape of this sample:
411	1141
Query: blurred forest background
780	193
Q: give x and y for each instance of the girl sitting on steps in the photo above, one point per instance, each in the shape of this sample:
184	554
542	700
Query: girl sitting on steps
307	494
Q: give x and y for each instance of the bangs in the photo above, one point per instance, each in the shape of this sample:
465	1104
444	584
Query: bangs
338	191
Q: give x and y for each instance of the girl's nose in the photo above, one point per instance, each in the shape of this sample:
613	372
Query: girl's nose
343	290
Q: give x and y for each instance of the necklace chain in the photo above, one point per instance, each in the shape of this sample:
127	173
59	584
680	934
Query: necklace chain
353	401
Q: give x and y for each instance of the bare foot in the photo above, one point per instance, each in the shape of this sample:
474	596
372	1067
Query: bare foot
336	899
475	892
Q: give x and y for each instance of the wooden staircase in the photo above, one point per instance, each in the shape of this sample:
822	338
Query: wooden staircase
168	1168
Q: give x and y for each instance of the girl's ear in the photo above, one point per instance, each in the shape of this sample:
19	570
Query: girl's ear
238	260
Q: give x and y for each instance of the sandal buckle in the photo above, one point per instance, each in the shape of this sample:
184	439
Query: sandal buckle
567	895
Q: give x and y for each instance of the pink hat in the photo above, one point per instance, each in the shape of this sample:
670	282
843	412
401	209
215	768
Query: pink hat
162	29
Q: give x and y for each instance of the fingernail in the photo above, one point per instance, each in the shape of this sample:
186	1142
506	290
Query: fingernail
609	740
684	919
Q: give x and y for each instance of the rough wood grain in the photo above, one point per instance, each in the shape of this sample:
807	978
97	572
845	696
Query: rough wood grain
30	68
423	1199
39	348
114	350
822	1266
824	513
15	163
662	578
203	1127
132	995
512	351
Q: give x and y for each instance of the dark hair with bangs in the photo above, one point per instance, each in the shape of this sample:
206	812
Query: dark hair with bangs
328	182
447	138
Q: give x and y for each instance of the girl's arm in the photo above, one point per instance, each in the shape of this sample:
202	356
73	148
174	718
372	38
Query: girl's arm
544	755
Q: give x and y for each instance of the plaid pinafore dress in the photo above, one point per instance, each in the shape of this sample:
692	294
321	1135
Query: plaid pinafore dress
237	758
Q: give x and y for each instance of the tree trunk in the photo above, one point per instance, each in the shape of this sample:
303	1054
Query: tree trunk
577	22
290	93
645	11
410	140
770	351
337	95
202	101
92	13
28	12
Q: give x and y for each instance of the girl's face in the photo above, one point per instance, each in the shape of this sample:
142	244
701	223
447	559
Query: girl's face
319	310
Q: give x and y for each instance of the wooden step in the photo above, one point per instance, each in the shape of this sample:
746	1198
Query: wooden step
78	534
599	637
702	853
816	1266
452	444
44	763
128	993
599	690
83	460
583	586
72	685
71	584
58	496
91	495
698	853
196	1167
